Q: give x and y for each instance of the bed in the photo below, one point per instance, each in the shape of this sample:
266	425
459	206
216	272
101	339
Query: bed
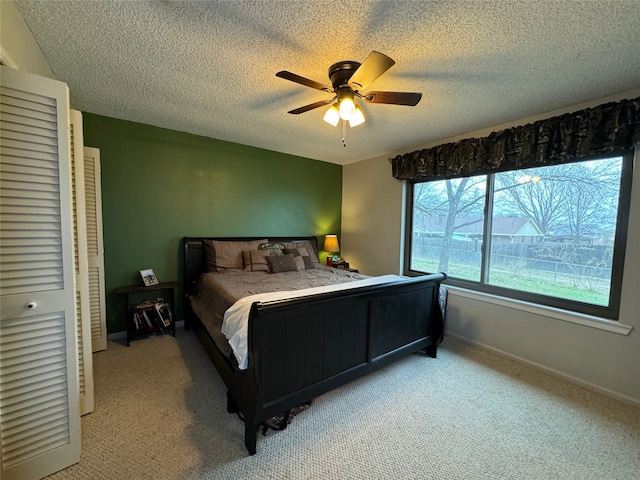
299	347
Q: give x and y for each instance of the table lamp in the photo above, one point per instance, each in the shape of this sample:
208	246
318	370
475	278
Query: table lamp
331	246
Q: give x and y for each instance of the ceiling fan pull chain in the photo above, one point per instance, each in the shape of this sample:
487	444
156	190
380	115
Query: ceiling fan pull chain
344	133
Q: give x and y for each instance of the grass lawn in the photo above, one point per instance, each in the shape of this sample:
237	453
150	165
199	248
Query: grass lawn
590	290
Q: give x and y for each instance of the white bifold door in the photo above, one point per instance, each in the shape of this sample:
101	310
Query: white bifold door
39	373
95	248
81	264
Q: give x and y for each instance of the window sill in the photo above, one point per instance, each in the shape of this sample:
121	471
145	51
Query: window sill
564	315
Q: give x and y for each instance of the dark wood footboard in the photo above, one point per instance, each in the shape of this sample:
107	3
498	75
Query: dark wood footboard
304	347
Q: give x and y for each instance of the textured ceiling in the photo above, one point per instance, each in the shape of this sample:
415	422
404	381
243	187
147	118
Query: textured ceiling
208	68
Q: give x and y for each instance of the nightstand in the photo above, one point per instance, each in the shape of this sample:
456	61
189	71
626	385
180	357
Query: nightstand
138	330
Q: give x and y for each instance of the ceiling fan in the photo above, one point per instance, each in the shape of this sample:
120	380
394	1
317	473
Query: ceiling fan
348	79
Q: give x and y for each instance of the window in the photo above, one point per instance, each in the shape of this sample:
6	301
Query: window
552	235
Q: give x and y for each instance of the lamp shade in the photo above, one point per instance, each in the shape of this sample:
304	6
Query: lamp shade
332	116
347	107
331	243
357	118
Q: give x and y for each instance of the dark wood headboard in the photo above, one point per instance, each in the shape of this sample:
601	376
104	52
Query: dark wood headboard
195	262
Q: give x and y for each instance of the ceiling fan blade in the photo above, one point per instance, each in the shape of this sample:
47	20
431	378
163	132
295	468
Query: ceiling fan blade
393	98
311	106
375	65
303	81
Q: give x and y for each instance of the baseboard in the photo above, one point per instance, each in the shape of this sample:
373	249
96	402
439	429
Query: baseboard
569	378
112	337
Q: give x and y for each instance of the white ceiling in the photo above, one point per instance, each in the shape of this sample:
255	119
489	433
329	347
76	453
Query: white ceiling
208	68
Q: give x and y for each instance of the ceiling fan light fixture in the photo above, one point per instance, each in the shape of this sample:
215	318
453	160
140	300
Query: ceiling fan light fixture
357	118
332	117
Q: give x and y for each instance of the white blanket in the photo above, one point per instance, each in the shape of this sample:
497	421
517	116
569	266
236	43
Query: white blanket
236	318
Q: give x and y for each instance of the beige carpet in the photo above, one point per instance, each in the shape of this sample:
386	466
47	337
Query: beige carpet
469	414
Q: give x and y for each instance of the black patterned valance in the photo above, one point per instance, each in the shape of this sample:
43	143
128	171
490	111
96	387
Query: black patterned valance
606	128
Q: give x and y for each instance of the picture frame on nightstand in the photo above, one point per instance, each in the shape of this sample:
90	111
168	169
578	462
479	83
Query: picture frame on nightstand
148	277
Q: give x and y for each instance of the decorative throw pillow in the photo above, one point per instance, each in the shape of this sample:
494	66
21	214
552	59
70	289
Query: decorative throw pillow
306	249
308	263
223	254
313	254
282	263
299	262
275	249
255	260
303	261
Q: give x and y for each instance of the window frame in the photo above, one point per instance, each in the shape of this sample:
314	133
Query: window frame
610	311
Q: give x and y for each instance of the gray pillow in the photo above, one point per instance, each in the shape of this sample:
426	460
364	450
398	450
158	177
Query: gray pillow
255	260
308	263
282	263
306	259
306	249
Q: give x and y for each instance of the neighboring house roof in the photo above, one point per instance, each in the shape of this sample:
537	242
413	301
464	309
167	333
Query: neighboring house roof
507	226
520	226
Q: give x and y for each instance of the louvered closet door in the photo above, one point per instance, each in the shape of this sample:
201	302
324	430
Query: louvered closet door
39	411
81	265
95	247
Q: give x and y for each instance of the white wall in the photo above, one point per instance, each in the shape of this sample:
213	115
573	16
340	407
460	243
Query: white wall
18	48
602	360
371	217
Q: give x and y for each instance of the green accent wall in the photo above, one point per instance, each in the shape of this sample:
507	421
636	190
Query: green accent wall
159	185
